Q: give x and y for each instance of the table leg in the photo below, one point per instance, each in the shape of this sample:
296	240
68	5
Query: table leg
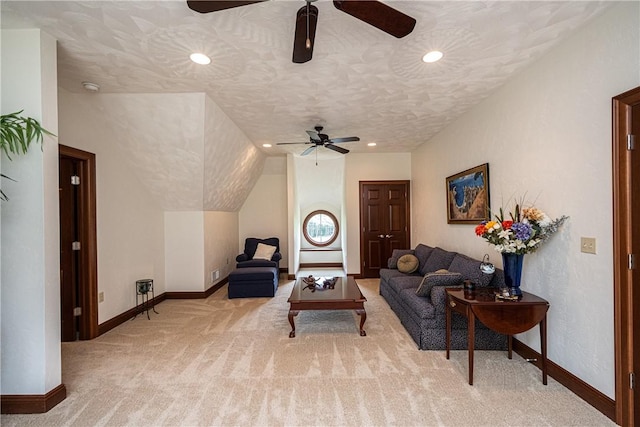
510	345
146	304
447	327
363	318
543	348
471	339
292	313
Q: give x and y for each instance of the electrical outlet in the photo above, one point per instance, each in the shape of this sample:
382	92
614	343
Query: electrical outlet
101	297
588	245
215	275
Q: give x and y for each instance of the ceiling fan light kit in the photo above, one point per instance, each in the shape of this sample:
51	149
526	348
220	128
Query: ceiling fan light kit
373	12
303	42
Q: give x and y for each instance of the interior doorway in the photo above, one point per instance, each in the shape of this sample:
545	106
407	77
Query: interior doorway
78	244
626	243
384	223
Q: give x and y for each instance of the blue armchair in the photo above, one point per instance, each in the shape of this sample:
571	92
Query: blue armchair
246	259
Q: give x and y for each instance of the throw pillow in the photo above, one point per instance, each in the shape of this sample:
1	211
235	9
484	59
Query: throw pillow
437	278
264	252
395	256
407	264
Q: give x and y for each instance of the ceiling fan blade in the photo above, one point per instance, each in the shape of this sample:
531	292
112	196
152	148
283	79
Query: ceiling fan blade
308	150
347	139
336	148
293	143
379	15
303	51
206	6
314	135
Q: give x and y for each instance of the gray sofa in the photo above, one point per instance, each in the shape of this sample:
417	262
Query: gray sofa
424	316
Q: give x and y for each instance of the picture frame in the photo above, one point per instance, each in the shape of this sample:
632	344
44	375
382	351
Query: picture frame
468	196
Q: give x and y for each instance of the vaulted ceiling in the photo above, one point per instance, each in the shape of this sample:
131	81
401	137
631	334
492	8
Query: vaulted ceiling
361	81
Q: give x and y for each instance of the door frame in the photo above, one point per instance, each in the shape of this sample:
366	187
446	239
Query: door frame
88	289
622	246
361	184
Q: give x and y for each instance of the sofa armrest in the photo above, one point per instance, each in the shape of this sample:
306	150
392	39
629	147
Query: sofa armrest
242	257
439	297
276	257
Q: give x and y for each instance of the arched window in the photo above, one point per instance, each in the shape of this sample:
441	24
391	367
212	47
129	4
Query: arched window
320	228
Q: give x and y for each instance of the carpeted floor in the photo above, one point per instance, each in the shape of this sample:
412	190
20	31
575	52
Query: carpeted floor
231	362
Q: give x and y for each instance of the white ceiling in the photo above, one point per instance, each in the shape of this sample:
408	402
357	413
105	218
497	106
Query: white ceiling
360	82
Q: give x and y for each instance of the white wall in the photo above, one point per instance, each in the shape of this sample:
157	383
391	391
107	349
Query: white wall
30	311
184	251
367	167
264	212
320	186
220	244
293	217
547	136
130	219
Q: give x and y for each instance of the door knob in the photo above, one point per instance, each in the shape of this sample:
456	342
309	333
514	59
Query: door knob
388	236
381	236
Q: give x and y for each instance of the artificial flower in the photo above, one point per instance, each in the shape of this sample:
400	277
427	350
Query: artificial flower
523	233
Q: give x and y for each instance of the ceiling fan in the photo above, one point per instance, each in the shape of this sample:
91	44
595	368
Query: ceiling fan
372	12
317	139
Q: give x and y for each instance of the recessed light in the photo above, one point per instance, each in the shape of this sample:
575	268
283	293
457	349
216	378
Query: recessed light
371	144
91	87
267	145
200	58
433	56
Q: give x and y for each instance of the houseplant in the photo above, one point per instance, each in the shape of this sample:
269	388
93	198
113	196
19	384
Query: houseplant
16	135
521	233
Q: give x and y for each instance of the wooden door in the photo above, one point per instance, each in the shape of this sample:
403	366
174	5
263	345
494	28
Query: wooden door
78	268
384	223
626	240
69	267
635	250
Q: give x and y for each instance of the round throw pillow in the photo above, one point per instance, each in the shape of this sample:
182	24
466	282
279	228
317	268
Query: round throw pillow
407	264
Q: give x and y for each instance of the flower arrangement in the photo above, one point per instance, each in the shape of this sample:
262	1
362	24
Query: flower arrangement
524	231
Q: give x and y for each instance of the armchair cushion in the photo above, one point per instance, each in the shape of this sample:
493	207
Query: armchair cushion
251	246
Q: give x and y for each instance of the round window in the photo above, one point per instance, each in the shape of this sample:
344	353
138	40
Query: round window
320	228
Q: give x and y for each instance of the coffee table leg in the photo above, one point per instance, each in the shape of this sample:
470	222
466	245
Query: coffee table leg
363	318
292	313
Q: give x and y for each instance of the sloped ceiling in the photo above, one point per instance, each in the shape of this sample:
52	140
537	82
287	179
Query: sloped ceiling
360	82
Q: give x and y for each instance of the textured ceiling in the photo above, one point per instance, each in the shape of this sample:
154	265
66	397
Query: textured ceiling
360	81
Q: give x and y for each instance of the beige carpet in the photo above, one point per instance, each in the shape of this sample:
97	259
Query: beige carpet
231	362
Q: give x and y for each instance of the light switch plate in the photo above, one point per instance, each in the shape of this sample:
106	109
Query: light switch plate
588	245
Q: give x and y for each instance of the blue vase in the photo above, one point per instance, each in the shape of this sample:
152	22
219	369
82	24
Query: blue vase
512	266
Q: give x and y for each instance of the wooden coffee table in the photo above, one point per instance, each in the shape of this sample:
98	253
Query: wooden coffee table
345	295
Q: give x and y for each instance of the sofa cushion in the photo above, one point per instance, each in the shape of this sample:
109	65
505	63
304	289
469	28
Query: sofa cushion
439	259
423	252
395	256
470	270
407	263
264	251
405	282
438	278
386	274
420	306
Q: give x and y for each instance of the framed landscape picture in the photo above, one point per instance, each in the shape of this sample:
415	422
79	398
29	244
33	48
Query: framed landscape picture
468	196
